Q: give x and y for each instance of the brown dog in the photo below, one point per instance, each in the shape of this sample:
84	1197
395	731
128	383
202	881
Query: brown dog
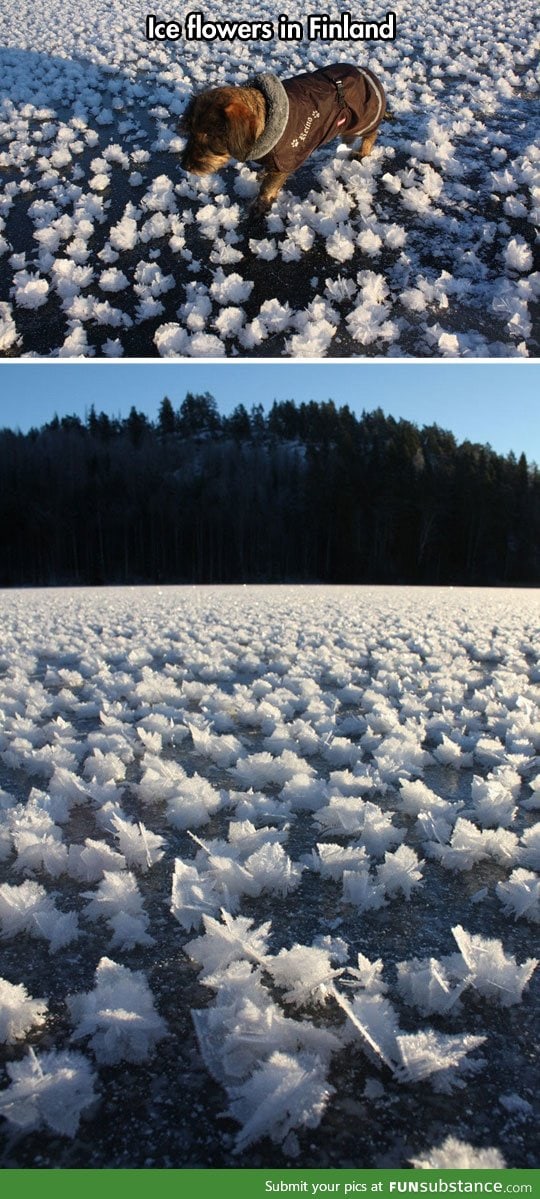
281	124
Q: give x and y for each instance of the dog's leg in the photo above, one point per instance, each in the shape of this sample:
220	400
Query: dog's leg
271	186
366	145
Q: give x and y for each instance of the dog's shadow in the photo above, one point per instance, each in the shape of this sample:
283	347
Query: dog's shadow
73	85
39	92
33	77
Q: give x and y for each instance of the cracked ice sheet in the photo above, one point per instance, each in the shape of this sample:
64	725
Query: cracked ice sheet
425	249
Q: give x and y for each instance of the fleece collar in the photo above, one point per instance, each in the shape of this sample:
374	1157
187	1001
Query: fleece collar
277	113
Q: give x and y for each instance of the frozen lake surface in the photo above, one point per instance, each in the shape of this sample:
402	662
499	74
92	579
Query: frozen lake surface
425	249
268	876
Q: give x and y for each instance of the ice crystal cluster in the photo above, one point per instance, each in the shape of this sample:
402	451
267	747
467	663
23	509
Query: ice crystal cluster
298	826
425	248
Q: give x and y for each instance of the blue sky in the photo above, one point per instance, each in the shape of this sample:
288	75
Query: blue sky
497	403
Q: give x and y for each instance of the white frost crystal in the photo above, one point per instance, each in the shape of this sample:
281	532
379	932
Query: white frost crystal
28	908
231	940
520	894
400	871
193	895
434	1055
304	973
118	1015
51	1090
18	1011
140	847
454	1154
285	1092
490	971
317	722
424	984
272	870
119	901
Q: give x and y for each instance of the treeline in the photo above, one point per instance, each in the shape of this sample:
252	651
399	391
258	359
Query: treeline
307	492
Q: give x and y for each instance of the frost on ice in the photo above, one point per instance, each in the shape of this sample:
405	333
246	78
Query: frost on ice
28	908
119	901
95	204
309	819
520	894
434	1055
454	1154
18	1011
304	973
51	1090
227	941
284	1093
119	1015
426	985
490	970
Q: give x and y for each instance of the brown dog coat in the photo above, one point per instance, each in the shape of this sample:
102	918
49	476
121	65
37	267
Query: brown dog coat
335	101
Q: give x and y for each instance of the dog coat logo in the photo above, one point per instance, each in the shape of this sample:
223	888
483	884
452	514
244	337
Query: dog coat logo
302	136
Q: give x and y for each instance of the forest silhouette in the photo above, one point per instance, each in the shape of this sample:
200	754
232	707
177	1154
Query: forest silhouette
307	492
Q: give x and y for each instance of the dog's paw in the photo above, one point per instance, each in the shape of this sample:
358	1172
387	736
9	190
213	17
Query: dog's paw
260	207
256	218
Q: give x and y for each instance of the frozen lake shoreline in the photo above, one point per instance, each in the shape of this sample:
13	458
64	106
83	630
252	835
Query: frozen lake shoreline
396	725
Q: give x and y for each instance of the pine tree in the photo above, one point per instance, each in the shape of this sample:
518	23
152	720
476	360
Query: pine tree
166	417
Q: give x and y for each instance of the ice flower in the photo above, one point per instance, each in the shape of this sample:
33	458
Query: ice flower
139	846
518	255
304	973
284	1093
362	889
374	1021
119	1015
489	970
331	860
424	984
49	1091
18	1012
90	861
119	901
193	803
529	851
193	895
436	1056
272	870
400	871
454	1154
520	894
28	908
30	290
8	329
228	941
244	1026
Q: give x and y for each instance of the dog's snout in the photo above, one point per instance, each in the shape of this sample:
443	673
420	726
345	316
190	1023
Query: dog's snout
190	162
199	159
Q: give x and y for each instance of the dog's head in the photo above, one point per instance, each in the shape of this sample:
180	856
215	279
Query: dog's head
220	125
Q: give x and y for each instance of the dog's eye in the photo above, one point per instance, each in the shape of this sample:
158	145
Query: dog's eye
208	145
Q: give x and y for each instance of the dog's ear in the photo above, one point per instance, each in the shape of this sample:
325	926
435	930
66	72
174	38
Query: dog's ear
241	129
